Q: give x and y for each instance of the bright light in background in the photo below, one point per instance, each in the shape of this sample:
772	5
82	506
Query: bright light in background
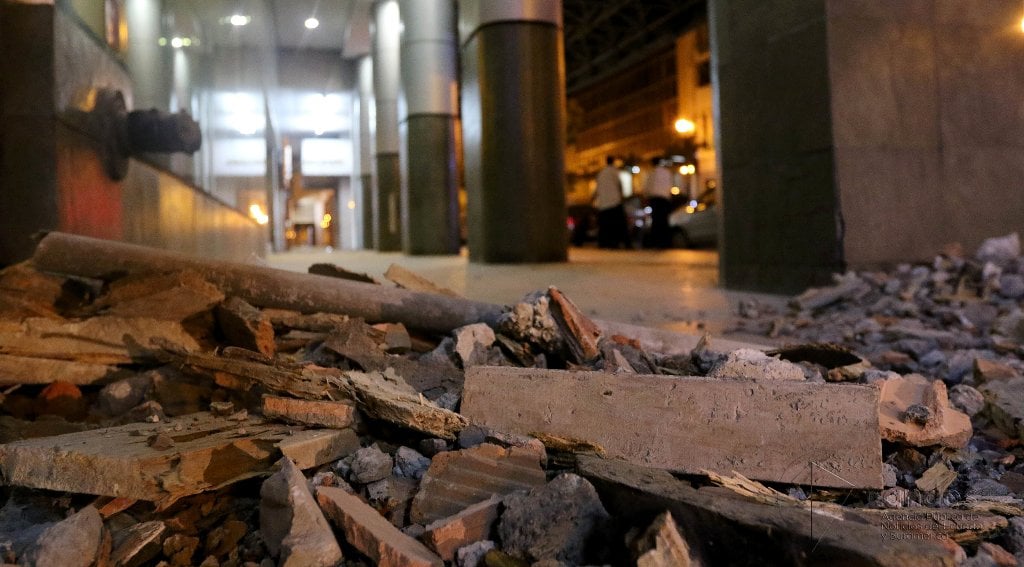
351	205
635	169
684	126
326	221
177	42
258	214
239	20
687	169
312	23
675	190
1022	23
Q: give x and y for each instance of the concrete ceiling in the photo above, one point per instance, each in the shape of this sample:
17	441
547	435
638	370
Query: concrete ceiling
601	37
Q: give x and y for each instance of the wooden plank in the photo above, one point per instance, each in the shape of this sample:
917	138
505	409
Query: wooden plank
726	529
98	340
29	370
410	280
174	296
155	462
802	433
385	396
265	287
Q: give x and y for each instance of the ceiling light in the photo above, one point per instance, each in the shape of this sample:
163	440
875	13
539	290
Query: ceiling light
312	23
176	42
239	20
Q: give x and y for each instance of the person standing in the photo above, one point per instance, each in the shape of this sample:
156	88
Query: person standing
658	190
611	215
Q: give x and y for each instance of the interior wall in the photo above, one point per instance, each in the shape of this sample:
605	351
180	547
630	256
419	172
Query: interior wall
928	124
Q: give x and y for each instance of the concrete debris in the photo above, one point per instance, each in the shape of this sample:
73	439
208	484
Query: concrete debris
410	463
749	364
966	399
1005	405
473	555
115	376
370	464
563	520
472	343
999	249
292	525
702	423
68	543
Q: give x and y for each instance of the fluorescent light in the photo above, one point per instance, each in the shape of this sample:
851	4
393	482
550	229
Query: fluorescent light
312	23
239	20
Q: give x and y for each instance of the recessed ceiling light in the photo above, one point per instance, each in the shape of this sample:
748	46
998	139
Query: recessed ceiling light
312	23
239	20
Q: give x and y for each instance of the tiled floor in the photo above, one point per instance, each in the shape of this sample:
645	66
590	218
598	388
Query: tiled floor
674	289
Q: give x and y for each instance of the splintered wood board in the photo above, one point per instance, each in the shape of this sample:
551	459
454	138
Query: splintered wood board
208	452
793	432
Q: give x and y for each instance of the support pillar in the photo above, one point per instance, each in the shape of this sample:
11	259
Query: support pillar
513	102
388	181
430	210
362	149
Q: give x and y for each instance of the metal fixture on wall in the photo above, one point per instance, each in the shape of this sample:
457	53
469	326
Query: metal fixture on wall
121	134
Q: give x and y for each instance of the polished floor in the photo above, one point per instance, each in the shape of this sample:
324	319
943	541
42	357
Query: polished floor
673	289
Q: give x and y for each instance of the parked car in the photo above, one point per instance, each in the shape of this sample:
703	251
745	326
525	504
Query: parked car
581	224
695	223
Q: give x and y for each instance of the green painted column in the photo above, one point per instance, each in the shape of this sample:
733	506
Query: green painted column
427	117
513	116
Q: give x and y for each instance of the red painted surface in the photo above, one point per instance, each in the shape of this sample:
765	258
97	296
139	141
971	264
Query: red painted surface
89	200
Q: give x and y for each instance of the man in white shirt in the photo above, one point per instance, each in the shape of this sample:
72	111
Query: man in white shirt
658	191
611	215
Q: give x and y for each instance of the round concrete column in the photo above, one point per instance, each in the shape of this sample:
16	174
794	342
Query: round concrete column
427	111
145	57
386	32
513	115
362	148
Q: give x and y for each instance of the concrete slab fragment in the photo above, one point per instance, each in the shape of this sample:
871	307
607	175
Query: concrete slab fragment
777	431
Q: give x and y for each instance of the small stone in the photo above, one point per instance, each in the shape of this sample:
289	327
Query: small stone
449	401
410	463
890	475
996	555
370	464
379	491
472	343
553	522
753	364
431	447
1014	536
221	408
933	358
966	399
896	497
160	442
180	548
999	249
292	524
72	542
987	487
1011	286
414	530
917	413
121	396
472	436
473	555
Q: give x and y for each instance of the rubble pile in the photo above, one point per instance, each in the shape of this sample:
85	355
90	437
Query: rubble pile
173	416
